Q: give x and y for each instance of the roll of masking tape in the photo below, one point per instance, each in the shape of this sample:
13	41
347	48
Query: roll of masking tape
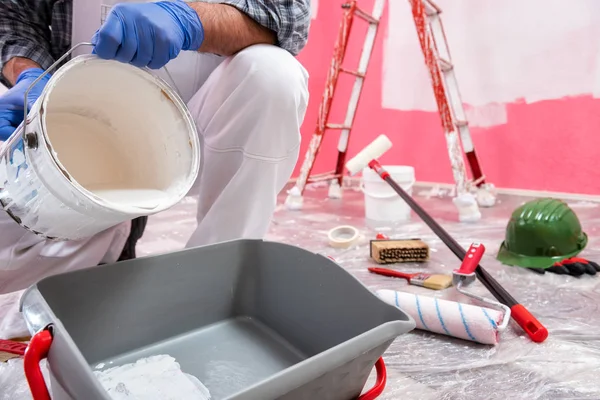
343	236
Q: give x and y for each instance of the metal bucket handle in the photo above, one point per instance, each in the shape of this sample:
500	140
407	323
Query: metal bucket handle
39	347
31	139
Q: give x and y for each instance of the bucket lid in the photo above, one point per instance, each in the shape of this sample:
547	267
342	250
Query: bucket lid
401	173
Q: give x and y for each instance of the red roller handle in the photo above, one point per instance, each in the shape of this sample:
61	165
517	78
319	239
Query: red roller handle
374	392
534	328
37	351
472	259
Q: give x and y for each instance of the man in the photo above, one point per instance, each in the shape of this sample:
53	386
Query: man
233	63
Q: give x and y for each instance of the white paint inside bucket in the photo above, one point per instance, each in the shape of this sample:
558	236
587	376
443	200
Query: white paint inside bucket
382	203
118	135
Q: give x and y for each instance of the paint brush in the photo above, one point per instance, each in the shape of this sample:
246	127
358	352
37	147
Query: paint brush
429	281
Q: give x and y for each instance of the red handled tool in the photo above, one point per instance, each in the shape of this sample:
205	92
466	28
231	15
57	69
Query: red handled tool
534	329
469	268
471	261
16	348
429	281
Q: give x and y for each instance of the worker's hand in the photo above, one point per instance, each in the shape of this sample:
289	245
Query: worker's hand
148	34
11	102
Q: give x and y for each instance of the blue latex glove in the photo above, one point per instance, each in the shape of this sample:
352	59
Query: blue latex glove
148	34
11	102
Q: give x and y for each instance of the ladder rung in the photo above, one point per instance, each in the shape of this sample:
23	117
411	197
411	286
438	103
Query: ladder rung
460	124
336	126
367	17
431	8
355	73
445	65
322	177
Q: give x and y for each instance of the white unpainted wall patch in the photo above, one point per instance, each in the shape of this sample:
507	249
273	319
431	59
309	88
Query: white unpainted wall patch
314	8
503	51
488	115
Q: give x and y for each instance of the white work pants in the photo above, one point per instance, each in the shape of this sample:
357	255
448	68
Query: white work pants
248	109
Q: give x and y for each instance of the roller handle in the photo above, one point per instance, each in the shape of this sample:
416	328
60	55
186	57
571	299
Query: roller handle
536	331
37	350
471	261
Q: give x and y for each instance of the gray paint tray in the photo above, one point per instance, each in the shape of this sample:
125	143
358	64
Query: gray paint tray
275	321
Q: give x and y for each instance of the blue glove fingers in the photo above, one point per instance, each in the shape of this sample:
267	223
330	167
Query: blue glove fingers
94	41
110	36
9	121
11	117
162	54
35	92
145	47
5	132
129	44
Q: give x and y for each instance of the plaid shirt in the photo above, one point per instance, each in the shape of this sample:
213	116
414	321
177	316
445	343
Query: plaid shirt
41	29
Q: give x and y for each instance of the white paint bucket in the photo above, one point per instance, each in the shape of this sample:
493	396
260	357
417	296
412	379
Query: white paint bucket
105	142
382	203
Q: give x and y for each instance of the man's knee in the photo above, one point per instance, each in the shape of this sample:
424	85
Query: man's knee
275	75
255	101
271	87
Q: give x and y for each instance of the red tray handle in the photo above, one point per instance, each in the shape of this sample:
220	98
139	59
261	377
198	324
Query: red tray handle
379	384
37	351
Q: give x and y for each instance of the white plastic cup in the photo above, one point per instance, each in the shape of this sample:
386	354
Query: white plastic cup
382	204
105	142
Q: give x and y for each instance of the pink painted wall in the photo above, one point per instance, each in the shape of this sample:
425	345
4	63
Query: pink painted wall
534	126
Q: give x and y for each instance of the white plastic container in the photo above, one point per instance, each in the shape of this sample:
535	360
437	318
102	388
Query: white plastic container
105	142
382	203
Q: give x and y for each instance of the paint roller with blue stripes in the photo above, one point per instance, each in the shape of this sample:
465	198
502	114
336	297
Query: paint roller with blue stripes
534	329
464	321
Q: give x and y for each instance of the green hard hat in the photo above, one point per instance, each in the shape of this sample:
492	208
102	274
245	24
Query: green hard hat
540	233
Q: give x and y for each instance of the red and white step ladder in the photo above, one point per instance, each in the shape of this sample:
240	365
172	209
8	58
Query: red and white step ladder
432	38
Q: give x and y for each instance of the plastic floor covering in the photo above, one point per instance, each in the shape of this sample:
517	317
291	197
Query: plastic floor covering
426	366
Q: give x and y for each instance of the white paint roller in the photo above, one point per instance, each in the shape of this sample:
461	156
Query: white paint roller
464	321
372	152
